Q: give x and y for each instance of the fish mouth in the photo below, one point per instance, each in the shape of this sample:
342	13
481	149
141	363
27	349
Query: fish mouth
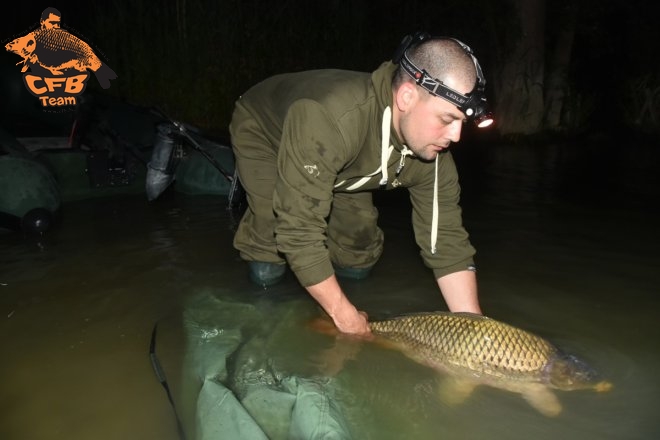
603	386
567	372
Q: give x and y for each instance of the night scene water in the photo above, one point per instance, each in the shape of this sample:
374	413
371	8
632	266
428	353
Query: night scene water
566	235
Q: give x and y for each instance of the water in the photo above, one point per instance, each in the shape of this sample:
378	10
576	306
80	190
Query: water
566	239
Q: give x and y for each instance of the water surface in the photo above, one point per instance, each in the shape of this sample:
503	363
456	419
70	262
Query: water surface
567	242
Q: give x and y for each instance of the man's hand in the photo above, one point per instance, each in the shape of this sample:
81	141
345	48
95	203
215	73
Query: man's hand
353	324
346	317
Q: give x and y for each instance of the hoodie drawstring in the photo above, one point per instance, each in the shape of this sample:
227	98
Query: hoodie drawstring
386	151
385	155
434	219
402	161
385	144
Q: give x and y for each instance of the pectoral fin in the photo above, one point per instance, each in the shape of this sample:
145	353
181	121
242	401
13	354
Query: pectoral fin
544	400
453	391
323	325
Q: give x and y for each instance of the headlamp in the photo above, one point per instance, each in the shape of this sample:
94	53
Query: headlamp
472	104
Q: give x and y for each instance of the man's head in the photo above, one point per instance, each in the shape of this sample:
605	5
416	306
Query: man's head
443	59
50	19
425	120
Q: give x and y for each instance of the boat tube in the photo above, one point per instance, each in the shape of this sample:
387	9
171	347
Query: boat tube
29	194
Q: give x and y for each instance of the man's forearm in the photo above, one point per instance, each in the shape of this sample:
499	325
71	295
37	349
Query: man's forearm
460	291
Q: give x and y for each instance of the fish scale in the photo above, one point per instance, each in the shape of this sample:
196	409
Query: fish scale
58	40
466	341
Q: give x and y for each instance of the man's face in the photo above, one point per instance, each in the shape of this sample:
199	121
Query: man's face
430	124
52	22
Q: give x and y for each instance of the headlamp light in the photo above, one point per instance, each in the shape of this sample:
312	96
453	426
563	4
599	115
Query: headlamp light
473	104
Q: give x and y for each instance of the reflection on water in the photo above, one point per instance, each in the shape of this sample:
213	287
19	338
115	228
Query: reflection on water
566	239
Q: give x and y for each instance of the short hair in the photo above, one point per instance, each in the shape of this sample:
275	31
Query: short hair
48	11
441	58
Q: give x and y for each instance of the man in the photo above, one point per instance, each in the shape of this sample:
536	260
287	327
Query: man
311	146
50	19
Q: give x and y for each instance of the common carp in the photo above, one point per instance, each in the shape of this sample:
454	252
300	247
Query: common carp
477	350
56	51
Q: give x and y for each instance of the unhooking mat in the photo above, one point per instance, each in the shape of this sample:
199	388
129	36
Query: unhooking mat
232	387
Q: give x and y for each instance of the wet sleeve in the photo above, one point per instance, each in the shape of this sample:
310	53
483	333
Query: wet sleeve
453	249
310	156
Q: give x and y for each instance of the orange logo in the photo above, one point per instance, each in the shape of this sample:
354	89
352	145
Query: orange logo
58	61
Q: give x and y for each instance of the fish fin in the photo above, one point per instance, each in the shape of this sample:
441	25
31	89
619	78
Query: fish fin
330	361
389	344
104	74
453	391
323	325
543	400
472	315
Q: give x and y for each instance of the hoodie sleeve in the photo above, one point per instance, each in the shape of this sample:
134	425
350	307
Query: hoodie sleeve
454	251
310	156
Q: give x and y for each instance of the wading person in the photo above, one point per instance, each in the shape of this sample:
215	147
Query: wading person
312	146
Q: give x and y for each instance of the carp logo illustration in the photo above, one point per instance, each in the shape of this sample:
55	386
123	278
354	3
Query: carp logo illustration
58	61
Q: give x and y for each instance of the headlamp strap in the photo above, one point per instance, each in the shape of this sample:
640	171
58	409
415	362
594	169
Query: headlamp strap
432	85
435	86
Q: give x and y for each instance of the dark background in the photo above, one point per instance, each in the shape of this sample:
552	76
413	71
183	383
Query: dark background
194	58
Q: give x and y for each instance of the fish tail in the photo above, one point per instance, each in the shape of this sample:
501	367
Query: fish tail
104	74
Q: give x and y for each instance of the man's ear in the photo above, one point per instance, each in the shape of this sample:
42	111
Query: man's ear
405	96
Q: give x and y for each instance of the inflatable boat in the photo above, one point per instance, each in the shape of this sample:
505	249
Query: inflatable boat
29	194
111	149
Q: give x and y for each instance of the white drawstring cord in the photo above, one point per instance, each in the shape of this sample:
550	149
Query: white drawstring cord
385	144
434	220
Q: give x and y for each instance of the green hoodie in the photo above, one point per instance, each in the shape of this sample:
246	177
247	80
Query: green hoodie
326	128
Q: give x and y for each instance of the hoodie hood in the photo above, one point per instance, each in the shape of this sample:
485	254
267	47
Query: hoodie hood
382	82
